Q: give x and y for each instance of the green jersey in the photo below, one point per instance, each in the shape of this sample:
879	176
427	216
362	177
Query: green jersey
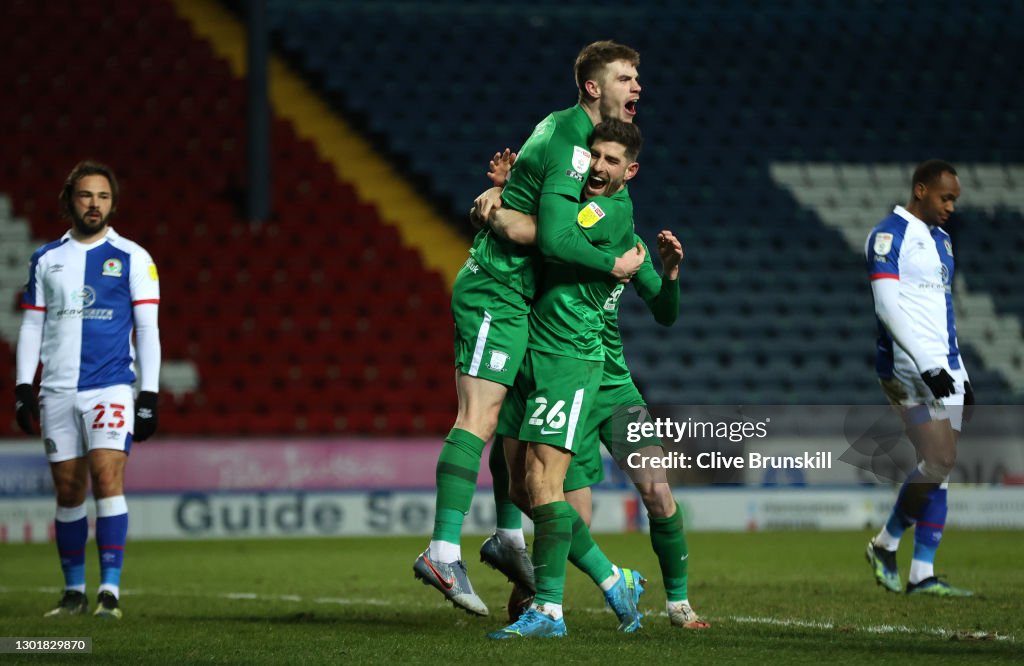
554	160
661	296
567	318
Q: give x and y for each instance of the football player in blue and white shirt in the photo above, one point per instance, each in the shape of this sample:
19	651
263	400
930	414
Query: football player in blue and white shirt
85	295
910	261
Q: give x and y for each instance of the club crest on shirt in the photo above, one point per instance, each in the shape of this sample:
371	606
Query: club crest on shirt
497	361
590	215
112	267
949	247
883	243
580	159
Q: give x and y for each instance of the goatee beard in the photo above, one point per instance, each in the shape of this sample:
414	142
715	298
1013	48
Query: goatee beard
87	228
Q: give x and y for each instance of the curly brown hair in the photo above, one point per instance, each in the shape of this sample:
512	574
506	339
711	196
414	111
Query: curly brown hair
81	170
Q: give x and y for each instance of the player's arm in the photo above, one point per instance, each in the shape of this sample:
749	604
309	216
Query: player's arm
145	289
497	172
488	211
514	226
882	253
559	238
661	292
30	344
487	208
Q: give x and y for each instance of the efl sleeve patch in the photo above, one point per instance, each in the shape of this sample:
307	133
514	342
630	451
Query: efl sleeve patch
580	159
153	274
883	243
590	215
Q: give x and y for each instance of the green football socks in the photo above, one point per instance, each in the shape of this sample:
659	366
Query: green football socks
508	515
669	542
586	555
552	538
457	469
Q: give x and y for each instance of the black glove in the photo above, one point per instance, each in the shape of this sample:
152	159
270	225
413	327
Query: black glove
940	382
145	416
26	408
968	402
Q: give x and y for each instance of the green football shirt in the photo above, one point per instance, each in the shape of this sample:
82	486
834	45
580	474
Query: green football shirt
568	316
661	296
554	159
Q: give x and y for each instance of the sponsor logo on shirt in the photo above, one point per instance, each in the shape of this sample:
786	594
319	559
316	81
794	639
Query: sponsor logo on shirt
590	215
56	268
580	159
112	267
578	177
85	297
883	243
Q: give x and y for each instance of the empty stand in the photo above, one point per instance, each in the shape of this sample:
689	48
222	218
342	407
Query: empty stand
776	306
318	322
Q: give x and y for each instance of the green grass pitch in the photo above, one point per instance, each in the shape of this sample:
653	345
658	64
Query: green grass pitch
783	597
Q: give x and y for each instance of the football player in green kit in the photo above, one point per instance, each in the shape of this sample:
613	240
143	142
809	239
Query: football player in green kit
617	401
558	385
492	293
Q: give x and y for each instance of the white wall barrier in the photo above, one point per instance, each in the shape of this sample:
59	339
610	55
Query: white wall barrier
218	515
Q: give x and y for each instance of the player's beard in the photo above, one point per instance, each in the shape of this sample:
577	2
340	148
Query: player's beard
88	227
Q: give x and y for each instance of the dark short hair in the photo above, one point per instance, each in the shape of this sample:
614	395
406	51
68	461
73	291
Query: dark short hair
594	57
619	131
81	170
929	171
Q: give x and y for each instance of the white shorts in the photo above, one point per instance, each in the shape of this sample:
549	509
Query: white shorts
76	422
908	393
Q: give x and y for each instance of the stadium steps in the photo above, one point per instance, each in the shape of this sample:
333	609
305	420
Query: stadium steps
351	156
997	336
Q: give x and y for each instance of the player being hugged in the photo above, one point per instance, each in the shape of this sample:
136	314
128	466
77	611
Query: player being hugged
910	261
86	293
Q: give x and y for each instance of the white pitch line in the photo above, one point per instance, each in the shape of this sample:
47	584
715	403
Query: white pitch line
369	601
871	629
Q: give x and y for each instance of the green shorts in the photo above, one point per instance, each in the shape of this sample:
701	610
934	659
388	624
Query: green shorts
615	408
491	325
551	400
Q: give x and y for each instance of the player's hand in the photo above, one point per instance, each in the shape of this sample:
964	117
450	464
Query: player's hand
629	263
475	220
26	408
939	382
671	252
499	167
488	201
145	416
968	402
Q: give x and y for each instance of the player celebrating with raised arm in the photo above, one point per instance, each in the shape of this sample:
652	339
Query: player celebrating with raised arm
558	384
617	400
490	299
910	261
85	294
